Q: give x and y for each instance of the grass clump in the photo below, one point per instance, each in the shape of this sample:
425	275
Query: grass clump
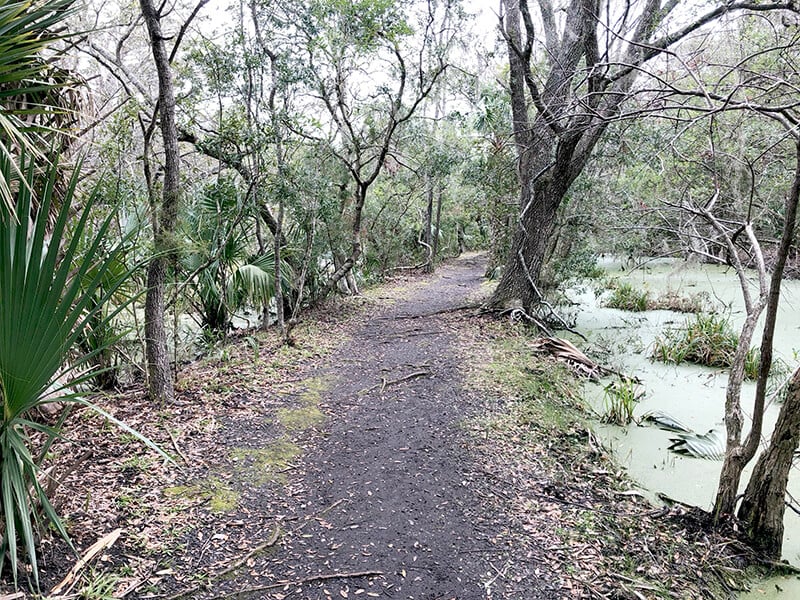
707	340
627	297
672	300
619	399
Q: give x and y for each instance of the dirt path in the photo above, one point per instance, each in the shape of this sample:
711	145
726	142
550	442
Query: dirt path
391	481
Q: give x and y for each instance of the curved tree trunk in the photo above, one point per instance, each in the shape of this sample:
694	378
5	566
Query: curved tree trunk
739	454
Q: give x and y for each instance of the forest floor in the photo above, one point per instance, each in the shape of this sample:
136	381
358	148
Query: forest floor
405	446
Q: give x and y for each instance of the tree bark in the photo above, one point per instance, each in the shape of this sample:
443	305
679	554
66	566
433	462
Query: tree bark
428	235
764	505
160	384
520	279
437	232
587	82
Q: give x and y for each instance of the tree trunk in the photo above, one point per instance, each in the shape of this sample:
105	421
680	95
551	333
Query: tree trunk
520	278
763	505
343	270
437	232
738	455
160	375
159	372
428	236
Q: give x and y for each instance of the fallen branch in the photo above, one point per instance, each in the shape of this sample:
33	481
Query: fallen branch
389	338
102	544
384	383
175	445
431	314
291	582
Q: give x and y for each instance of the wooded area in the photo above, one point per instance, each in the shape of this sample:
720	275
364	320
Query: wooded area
173	175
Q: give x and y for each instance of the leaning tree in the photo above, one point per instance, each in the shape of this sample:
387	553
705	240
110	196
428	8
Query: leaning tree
573	68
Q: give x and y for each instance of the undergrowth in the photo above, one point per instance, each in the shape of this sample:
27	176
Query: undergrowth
567	493
546	394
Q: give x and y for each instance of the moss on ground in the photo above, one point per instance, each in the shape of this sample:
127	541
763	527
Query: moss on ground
299	419
268	464
220	497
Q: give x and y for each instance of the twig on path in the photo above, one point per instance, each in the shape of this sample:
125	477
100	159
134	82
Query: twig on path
387	339
321	513
289	582
430	314
233	566
384	383
175	445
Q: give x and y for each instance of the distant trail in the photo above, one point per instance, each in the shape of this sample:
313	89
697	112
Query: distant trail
391	481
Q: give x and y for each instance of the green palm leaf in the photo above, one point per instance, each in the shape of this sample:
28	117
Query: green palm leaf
254	281
26	89
48	293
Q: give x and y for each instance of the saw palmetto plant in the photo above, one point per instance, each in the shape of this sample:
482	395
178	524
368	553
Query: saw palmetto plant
49	283
37	98
227	274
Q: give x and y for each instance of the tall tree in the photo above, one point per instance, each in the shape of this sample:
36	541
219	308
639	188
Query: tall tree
164	218
577	68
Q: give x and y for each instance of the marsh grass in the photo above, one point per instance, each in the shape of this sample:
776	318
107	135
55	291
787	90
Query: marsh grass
619	399
676	302
627	297
707	340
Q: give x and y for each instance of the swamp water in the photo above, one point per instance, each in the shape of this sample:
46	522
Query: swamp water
693	395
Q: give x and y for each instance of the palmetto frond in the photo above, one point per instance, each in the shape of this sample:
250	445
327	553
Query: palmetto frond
35	96
254	281
49	282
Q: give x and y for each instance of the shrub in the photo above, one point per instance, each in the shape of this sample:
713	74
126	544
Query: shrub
51	287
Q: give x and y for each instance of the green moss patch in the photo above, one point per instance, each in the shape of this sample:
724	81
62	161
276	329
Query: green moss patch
314	388
265	465
220	497
297	419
